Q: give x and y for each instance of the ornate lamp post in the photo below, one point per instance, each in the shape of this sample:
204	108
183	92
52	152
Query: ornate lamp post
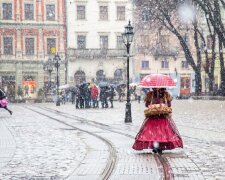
48	66
127	39
57	62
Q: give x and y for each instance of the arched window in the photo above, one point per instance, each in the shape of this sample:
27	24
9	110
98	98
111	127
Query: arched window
79	77
118	75
100	75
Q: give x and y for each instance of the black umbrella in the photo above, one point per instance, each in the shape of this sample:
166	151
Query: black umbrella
123	85
103	84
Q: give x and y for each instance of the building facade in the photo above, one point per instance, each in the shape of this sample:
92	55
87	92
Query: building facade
158	51
28	31
95	47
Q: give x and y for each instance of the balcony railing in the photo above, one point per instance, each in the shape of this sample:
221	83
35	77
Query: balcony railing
161	52
95	53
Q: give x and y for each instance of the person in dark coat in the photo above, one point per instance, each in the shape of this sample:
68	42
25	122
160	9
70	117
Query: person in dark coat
73	94
3	102
81	96
77	97
103	97
87	95
111	94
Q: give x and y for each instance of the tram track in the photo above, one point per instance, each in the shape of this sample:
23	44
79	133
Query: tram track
112	151
98	124
161	161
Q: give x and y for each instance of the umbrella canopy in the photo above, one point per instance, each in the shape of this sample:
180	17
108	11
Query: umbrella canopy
133	84
64	86
123	85
157	81
103	84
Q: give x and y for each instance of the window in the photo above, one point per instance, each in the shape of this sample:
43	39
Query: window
79	77
7	11
51	43
29	46
104	42
80	12
145	15
120	44
209	42
165	64
145	64
81	42
29	11
120	12
50	12
103	12
164	40
8	45
188	83
118	75
100	75
184	64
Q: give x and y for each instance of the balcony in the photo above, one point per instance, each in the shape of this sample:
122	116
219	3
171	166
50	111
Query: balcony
95	53
164	52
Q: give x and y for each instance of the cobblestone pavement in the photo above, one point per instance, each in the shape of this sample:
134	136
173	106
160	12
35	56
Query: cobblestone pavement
32	146
201	124
44	149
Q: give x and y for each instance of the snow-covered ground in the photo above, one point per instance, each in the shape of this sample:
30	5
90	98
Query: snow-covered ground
31	145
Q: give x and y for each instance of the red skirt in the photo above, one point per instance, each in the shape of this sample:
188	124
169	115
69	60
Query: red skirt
160	131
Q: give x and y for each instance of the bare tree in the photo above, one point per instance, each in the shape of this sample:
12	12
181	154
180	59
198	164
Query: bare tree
163	13
212	10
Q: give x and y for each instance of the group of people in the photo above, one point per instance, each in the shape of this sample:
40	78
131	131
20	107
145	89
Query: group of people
91	96
4	102
158	132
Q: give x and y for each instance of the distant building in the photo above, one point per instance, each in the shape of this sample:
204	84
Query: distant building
95	47
28	29
158	51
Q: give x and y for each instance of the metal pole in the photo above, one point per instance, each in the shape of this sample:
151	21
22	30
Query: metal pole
57	79
205	83
50	72
128	118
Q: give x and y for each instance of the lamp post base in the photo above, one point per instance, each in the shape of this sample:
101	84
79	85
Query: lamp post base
128	118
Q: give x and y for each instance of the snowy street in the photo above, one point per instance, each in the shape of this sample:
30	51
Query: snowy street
43	141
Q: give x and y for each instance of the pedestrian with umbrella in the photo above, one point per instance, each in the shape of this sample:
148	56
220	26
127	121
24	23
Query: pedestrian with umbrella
111	94
104	86
158	131
121	91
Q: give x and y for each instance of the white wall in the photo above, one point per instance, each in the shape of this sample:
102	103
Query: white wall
92	25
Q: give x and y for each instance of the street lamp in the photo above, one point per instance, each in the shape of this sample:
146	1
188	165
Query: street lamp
57	62
48	66
127	39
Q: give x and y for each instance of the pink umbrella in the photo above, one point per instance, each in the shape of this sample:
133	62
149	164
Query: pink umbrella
157	81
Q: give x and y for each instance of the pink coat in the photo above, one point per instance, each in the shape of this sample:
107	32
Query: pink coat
3	103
